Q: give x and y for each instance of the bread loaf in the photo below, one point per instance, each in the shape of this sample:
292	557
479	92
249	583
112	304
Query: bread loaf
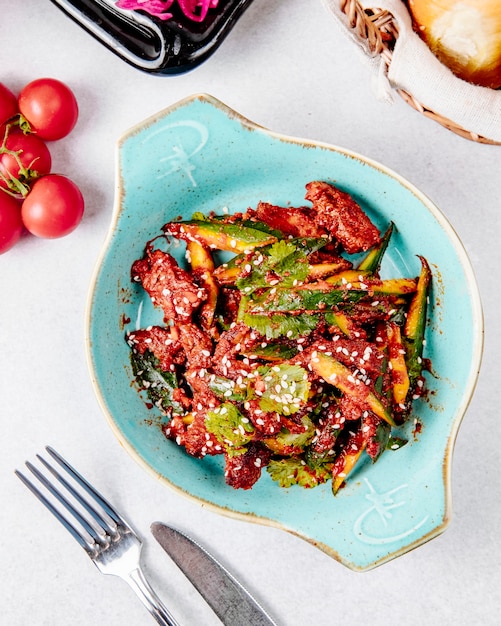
464	34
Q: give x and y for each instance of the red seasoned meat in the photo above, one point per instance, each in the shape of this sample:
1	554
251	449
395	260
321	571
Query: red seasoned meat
243	470
297	222
160	342
194	436
365	357
197	441
196	343
342	217
370	425
231	343
203	396
169	286
266	424
229	300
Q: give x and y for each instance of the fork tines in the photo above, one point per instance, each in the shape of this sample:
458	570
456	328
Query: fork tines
98	524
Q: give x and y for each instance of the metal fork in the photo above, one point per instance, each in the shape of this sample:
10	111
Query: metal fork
108	539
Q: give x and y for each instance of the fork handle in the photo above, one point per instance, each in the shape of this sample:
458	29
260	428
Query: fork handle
150	599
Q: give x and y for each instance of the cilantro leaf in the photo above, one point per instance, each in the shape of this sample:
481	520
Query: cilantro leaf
283	260
286	388
293	471
232	429
227	389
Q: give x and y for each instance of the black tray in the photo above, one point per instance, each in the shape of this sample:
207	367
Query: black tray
158	46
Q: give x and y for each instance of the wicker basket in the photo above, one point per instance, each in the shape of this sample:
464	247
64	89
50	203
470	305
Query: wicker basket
378	29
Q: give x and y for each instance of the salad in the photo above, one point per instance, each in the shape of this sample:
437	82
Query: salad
281	347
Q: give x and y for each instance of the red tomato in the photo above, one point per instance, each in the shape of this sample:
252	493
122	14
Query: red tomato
11	224
50	107
53	208
34	159
8	104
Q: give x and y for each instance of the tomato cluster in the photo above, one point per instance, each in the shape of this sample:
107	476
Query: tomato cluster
31	197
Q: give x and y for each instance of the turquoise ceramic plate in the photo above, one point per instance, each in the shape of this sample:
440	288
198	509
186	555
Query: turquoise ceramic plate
199	155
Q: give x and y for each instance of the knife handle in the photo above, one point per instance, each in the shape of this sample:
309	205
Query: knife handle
149	598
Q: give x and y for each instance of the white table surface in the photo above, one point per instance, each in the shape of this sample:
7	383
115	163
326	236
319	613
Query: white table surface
287	67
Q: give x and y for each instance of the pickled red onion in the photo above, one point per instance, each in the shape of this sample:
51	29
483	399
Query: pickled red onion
195	10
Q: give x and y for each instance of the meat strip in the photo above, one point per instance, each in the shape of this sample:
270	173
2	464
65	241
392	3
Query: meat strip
169	286
342	217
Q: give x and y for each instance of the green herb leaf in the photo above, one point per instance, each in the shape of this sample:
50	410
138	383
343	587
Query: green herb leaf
299	440
232	429
282	325
200	217
227	389
284	261
303	299
273	352
395	443
286	389
159	385
293	471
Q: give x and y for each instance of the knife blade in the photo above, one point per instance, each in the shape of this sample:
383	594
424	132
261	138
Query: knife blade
229	600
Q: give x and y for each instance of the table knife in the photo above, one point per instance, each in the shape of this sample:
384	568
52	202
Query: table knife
229	600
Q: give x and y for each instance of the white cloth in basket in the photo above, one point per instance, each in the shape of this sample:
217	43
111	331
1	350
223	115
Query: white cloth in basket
416	70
